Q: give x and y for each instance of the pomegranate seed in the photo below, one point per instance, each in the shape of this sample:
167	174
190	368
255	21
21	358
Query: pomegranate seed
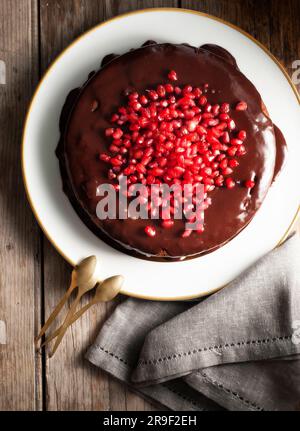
232	151
114	149
118	133
208	108
187	89
224	164
236	142
233	163
114	118
169	89
141	169
150	231
174	135
213	122
227	171
161	91
145	160
226	138
242	135
109	131
191	125
153	95
133	179
249	184
167	224
241	106
104	157
203	101
219	181
143	100
136	106
197	92
224	117
225	108
133	96
111	175
172	75
200	229
138	154
230	183
129	170
115	162
241	150
231	125
186	234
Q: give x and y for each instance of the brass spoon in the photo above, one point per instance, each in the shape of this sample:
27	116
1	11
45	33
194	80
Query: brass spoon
87	271
106	291
87	279
59	306
80	273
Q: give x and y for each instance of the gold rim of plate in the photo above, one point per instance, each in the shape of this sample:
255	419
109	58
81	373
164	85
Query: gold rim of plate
166	9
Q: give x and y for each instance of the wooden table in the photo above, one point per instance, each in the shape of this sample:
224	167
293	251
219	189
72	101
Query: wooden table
33	275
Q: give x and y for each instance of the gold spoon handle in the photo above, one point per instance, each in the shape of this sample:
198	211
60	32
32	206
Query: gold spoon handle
105	291
73	320
58	308
65	324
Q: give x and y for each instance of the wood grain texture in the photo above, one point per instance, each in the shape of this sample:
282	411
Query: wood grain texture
19	252
32	34
71	383
64	20
275	23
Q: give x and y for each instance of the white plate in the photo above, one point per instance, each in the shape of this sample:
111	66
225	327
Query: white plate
146	279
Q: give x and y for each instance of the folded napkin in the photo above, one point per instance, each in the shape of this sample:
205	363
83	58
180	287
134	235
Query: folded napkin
239	349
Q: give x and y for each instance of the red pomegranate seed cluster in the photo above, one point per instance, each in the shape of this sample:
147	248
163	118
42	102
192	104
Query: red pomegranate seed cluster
174	135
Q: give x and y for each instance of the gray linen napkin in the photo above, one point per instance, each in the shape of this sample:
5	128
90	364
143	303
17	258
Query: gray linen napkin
235	350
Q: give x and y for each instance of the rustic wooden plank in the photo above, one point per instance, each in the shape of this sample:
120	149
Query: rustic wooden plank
20	251
273	22
116	7
76	16
235	11
285	32
71	384
285	37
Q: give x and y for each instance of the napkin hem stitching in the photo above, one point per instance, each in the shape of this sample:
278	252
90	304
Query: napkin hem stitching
212	348
188	400
111	354
229	391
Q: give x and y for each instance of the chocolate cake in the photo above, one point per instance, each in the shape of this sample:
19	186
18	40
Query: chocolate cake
168	113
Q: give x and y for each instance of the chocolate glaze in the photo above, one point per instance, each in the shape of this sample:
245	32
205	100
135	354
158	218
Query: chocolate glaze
281	152
220	52
82	139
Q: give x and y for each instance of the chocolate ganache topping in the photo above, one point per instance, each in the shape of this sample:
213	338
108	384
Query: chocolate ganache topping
87	115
